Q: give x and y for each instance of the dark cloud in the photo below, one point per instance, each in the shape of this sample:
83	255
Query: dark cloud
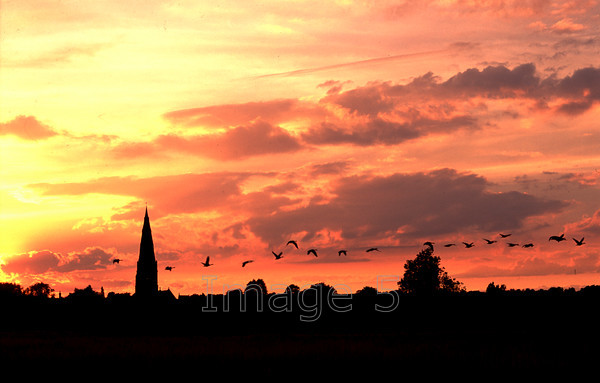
93	258
381	132
35	262
493	81
581	89
584	84
338	167
575	42
415	205
27	128
40	262
368	100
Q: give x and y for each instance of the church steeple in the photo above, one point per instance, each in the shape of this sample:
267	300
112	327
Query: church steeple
146	279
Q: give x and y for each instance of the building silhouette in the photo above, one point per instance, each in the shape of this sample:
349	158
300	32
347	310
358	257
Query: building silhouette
146	278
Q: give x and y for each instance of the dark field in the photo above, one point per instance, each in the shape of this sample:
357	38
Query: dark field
448	337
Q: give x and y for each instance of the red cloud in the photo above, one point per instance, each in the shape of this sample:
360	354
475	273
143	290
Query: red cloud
172	194
374	114
26	127
566	26
256	139
35	262
587	225
274	112
40	262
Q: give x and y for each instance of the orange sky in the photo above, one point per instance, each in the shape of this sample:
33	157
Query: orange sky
341	124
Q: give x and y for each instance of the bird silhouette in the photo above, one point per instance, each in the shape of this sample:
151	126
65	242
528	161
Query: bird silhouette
372	249
169	268
450	244
430	244
277	256
313	251
116	260
489	242
341	252
246	262
505	235
580	242
468	244
528	245
557	238
207	262
510	244
293	243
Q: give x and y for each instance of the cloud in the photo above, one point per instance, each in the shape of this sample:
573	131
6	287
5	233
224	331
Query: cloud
40	262
526	267
582	88
185	193
237	143
92	258
227	115
406	205
27	128
170	194
579	90
381	132
359	207
566	25
587	225
493	81
337	167
378	113
58	56
34	262
258	138
537	266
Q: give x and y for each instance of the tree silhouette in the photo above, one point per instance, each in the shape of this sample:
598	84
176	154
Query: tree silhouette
423	276
494	289
367	291
292	289
258	285
8	289
323	288
39	290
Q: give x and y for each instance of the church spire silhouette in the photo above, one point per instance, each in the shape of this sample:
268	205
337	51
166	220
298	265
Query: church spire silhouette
146	279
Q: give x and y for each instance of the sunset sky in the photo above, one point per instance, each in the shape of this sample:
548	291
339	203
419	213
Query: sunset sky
340	124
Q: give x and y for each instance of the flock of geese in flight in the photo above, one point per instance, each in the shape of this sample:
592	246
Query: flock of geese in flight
557	238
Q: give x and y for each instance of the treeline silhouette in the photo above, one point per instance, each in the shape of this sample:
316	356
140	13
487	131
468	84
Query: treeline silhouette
260	333
319	306
425	292
429	324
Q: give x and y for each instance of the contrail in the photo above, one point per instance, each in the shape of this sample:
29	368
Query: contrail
353	63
